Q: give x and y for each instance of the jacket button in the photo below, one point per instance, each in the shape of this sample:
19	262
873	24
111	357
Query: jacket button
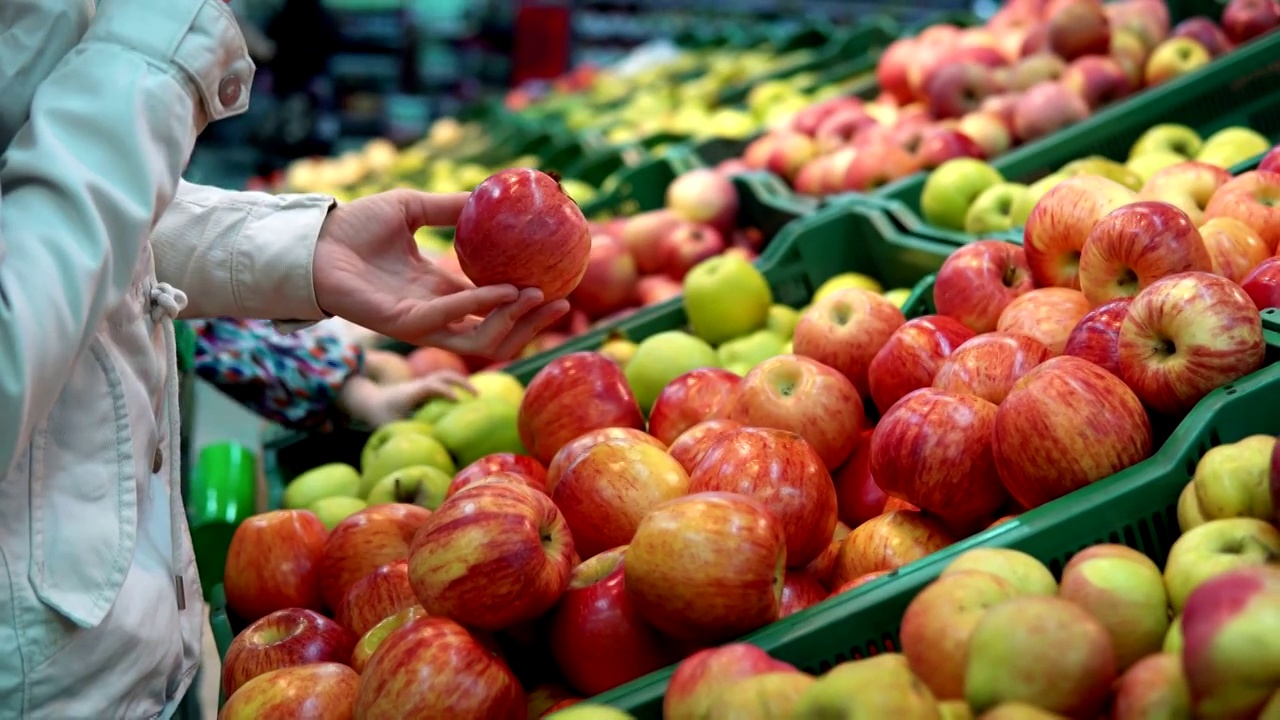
157	462
229	91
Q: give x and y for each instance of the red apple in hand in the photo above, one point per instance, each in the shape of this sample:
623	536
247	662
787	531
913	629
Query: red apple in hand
1137	244
888	542
800	590
1234	248
1061	222
364	542
1187	335
273	563
699	678
597	639
609	283
375	597
284	638
1044	448
912	356
692	444
858	497
575	447
783	472
989	365
1263	284
1096	337
319	691
572	394
687	245
1046	314
803	396
978	280
845	330
521	465
688	400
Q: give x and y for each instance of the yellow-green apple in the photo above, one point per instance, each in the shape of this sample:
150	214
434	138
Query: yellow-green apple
1035	68
1153	687
574	709
988	365
858	497
742	354
823	567
707	567
978	280
1167	137
1189	513
1045	651
805	397
800	590
643	235
1234	480
687	245
575	447
688	400
432	667
1173	640
951	189
693	443
597	639
400	445
492	556
1174	58
760	697
1078	28
910	358
1045	109
372	640
782	320
1104	167
956	88
1185	336
504	462
1043	451
925	441
844	280
1147	165
877	687
571	395
954	710
1099	79
783	472
938	622
418	484
1262	284
878	161
726	297
992	210
845	330
328	480
1124	591
1187	186
273	563
1135	245
1047	314
1234	248
703	676
1254	199
1020	213
364	542
285	638
333	510
609	284
375	597
1060	223
619	350
704	196
663	357
889	541
1028	575
1206	32
1233	145
988	130
1096	337
319	691
1244	20
1214	548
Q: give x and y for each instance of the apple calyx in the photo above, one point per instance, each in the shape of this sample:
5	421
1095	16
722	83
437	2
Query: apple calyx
1010	276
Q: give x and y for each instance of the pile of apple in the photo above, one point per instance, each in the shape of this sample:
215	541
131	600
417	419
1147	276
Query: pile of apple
1036	67
1169	162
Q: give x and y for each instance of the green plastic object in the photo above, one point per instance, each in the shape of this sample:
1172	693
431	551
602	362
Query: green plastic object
222	493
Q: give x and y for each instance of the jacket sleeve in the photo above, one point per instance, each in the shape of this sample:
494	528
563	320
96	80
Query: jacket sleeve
241	254
87	176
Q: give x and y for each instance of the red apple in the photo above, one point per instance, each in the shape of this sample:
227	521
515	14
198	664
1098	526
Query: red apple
1271	161
858	497
1079	28
572	394
1253	198
1187	335
939	144
782	152
1244	20
643	237
609	283
891	70
1061	222
1096	337
1234	247
1187	185
427	360
364	542
956	88
859	581
800	590
1045	448
575	447
1099	79
782	471
704	196
492	556
823	567
688	400
1206	32
1046	314
911	357
1135	245
808	120
519	227
597	639
273	563
433	668
878	162
841	127
989	365
978	280
803	396
887	542
845	330
1152	686
1263	284
687	245
521	465
1031	70
654	289
284	638
702	676
320	691
689	448
1045	109
811	179
989	130
375	597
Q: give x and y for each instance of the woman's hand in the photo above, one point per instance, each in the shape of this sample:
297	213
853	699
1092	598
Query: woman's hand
368	270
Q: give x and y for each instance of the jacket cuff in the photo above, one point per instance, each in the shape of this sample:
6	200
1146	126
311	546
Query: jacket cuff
272	262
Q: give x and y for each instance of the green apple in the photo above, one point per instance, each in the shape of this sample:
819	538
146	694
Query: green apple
951	189
749	350
782	320
619	350
1234	480
1124	590
882	686
1103	167
1021	209
954	710
898	296
766	94
435	408
1216	547
1189	513
480	427
385	432
418	484
1168	137
331	480
1231	146
732	124
845	280
402	450
498	385
726	297
789	348
1173	638
661	358
1023	571
1149	163
333	510
588	711
992	210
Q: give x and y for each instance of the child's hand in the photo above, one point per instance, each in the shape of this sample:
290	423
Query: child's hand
376	404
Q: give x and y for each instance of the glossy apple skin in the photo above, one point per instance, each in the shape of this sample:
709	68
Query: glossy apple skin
803	396
1096	337
800	590
372	640
610	487
707	567
481	558
978	280
1043	450
782	471
989	365
597	639
1046	314
1271	161
1206	32
703	675
519	227
1244	20
319	691
364	542
284	638
375	597
1263	284
432	667
1060	223
911	358
572	394
580	444
1137	244
1214	328
1234	248
1251	198
888	542
845	330
273	563
1217	621
692	445
504	462
688	400
687	245
930	440
823	567
1153	687
858	497
609	282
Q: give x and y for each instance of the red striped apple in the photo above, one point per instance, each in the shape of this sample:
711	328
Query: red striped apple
692	444
1253	198
859	581
1262	284
372	640
1060	223
911	357
1135	245
274	562
1047	314
858	497
364	542
1096	337
580	444
570	395
989	365
688	400
823	567
888	542
845	330
1234	247
284	638
375	597
320	691
524	466
704	675
977	281
1187	186
800	590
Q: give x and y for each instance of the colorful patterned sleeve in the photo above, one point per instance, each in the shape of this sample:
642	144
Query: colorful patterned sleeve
291	379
